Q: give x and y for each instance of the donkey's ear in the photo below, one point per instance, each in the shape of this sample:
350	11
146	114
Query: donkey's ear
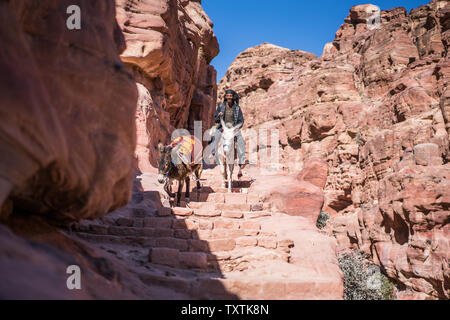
167	149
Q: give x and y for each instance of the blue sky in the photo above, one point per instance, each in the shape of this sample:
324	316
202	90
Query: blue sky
295	24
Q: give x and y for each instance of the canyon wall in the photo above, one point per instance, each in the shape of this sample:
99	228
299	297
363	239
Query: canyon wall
77	107
375	107
368	122
170	44
67	135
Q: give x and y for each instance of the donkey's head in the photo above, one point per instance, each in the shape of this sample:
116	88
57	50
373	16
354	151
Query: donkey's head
163	161
228	134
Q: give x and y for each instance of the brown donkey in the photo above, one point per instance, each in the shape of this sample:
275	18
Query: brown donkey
168	171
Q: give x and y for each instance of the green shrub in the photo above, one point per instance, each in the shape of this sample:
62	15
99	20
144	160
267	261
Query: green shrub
363	280
322	219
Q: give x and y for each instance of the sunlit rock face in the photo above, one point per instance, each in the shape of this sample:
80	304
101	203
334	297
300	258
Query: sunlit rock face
170	44
375	107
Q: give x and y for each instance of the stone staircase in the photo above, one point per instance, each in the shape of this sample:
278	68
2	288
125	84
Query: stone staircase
218	236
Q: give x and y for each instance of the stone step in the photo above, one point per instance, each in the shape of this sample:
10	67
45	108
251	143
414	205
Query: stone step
233	190
256	214
213	212
235	198
202	205
207	213
180	284
249	285
232	206
241	259
237	259
240	285
121	240
215	188
211	197
202	224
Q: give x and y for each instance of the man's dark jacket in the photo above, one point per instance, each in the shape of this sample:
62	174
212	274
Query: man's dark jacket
238	117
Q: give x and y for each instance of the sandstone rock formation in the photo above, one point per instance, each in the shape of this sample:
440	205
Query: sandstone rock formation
170	44
67	132
374	106
364	133
300	195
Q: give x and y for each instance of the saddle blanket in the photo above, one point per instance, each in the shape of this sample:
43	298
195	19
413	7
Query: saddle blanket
188	148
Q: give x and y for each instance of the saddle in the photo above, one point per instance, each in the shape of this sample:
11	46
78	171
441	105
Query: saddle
188	148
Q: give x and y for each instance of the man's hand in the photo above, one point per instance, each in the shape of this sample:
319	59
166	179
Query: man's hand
220	114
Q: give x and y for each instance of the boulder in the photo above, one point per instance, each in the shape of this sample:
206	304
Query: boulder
68	111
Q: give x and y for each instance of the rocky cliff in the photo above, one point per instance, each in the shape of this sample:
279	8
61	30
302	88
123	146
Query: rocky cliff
75	103
170	44
375	107
363	135
67	135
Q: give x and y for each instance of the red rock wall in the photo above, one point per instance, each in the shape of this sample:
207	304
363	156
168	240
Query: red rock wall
375	107
67	132
170	44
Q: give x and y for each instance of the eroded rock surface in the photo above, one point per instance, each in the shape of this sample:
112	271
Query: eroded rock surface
363	135
374	106
67	135
170	44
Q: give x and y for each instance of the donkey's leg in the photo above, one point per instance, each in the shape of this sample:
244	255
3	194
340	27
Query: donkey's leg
229	173
180	188
186	198
167	188
223	171
198	173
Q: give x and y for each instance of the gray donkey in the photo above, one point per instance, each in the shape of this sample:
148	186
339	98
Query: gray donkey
168	171
225	152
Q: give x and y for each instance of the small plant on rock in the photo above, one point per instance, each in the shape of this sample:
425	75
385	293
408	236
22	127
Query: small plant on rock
363	280
322	220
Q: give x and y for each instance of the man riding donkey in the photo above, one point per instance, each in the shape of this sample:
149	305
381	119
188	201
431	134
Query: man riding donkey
189	149
229	113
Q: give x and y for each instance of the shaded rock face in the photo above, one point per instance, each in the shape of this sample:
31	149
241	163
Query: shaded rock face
67	134
374	106
170	44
